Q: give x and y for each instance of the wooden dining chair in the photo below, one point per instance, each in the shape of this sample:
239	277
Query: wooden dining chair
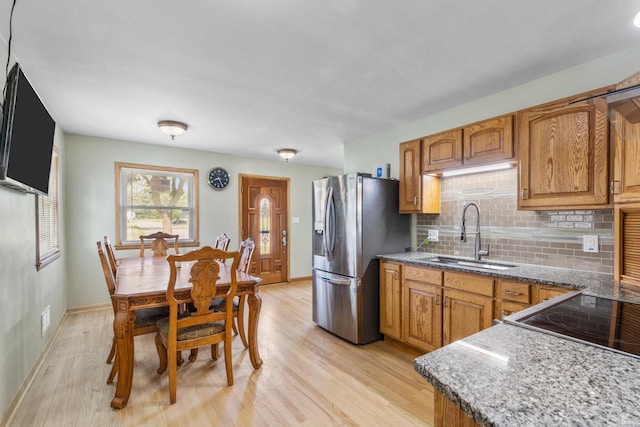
111	256
145	319
222	242
159	244
246	249
219	304
203	326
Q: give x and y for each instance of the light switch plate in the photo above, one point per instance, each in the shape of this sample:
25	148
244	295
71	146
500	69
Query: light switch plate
432	235
590	243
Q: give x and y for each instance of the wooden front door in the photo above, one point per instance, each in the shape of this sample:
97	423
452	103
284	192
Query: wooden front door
264	217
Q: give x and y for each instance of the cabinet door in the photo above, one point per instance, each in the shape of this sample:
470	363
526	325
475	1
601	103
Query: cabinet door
488	141
422	315
563	152
418	193
390	317
464	314
447	414
441	151
626	173
410	176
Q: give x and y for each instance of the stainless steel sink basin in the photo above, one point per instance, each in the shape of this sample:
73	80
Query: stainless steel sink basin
470	263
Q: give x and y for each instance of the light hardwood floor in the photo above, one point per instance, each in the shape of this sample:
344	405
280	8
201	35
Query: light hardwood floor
309	377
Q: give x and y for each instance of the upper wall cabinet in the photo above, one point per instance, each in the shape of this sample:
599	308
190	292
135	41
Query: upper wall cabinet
625	133
418	193
442	151
484	142
563	152
488	141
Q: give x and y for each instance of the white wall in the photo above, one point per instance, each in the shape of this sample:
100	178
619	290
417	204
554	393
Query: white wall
24	291
91	203
383	147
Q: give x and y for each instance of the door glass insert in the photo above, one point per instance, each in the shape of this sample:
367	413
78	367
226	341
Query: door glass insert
265	226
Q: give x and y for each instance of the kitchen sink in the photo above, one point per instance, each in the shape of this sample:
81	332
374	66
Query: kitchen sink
470	263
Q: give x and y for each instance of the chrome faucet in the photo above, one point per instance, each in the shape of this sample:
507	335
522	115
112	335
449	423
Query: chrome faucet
478	252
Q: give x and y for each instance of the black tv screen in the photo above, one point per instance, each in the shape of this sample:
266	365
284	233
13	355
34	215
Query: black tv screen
26	142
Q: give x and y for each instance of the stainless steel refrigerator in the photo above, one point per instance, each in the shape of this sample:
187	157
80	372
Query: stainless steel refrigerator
355	218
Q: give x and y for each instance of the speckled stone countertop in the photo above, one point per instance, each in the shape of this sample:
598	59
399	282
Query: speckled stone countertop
508	375
511	376
590	283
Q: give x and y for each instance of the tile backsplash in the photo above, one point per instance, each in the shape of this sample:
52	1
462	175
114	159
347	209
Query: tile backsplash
551	238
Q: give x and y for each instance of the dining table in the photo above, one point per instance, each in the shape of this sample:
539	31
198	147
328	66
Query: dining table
141	283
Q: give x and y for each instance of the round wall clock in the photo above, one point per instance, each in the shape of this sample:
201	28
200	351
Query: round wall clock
218	178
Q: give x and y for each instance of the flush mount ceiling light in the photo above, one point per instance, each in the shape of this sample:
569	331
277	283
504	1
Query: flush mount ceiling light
287	153
172	128
636	21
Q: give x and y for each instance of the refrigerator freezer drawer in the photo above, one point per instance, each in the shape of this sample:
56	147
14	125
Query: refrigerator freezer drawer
336	301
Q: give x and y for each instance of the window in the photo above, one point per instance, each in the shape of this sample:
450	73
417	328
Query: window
153	198
47	220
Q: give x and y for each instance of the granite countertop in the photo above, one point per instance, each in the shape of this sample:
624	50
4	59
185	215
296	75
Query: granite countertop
508	375
590	283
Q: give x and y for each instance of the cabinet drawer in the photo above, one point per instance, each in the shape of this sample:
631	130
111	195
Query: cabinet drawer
422	274
470	283
515	291
507	308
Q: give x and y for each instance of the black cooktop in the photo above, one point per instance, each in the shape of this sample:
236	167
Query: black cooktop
604	322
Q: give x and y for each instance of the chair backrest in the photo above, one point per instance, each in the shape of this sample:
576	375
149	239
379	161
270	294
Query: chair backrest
159	243
222	242
106	269
204	275
111	256
246	250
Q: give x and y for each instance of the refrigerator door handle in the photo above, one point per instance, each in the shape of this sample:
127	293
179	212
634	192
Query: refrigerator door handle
340	282
330	219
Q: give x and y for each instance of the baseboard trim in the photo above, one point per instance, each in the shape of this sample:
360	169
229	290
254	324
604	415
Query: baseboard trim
15	403
86	308
300	279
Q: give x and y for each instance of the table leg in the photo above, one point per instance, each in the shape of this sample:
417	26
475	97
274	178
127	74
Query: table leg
123	325
255	303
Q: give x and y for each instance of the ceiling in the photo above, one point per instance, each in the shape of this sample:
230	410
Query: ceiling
252	76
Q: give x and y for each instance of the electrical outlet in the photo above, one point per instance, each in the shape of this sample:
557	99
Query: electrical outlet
432	235
588	301
590	243
45	319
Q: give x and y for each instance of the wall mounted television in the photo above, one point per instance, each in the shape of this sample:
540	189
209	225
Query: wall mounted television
26	141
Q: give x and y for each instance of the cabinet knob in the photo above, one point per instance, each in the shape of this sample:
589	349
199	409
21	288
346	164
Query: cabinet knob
415	200
437	299
444	302
512	293
523	194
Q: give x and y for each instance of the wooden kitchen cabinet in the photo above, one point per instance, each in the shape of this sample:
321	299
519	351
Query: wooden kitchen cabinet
418	193
625	185
546	293
390	291
447	414
626	253
488	141
625	134
563	151
513	296
421	307
442	151
467	305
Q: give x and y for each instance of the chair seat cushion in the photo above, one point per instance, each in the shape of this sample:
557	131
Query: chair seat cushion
191	332
219	304
150	316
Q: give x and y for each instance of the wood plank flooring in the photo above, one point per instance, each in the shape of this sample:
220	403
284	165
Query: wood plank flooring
309	378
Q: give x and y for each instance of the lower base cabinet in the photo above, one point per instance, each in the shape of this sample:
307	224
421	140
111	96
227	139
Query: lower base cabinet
427	308
422	307
465	314
447	414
